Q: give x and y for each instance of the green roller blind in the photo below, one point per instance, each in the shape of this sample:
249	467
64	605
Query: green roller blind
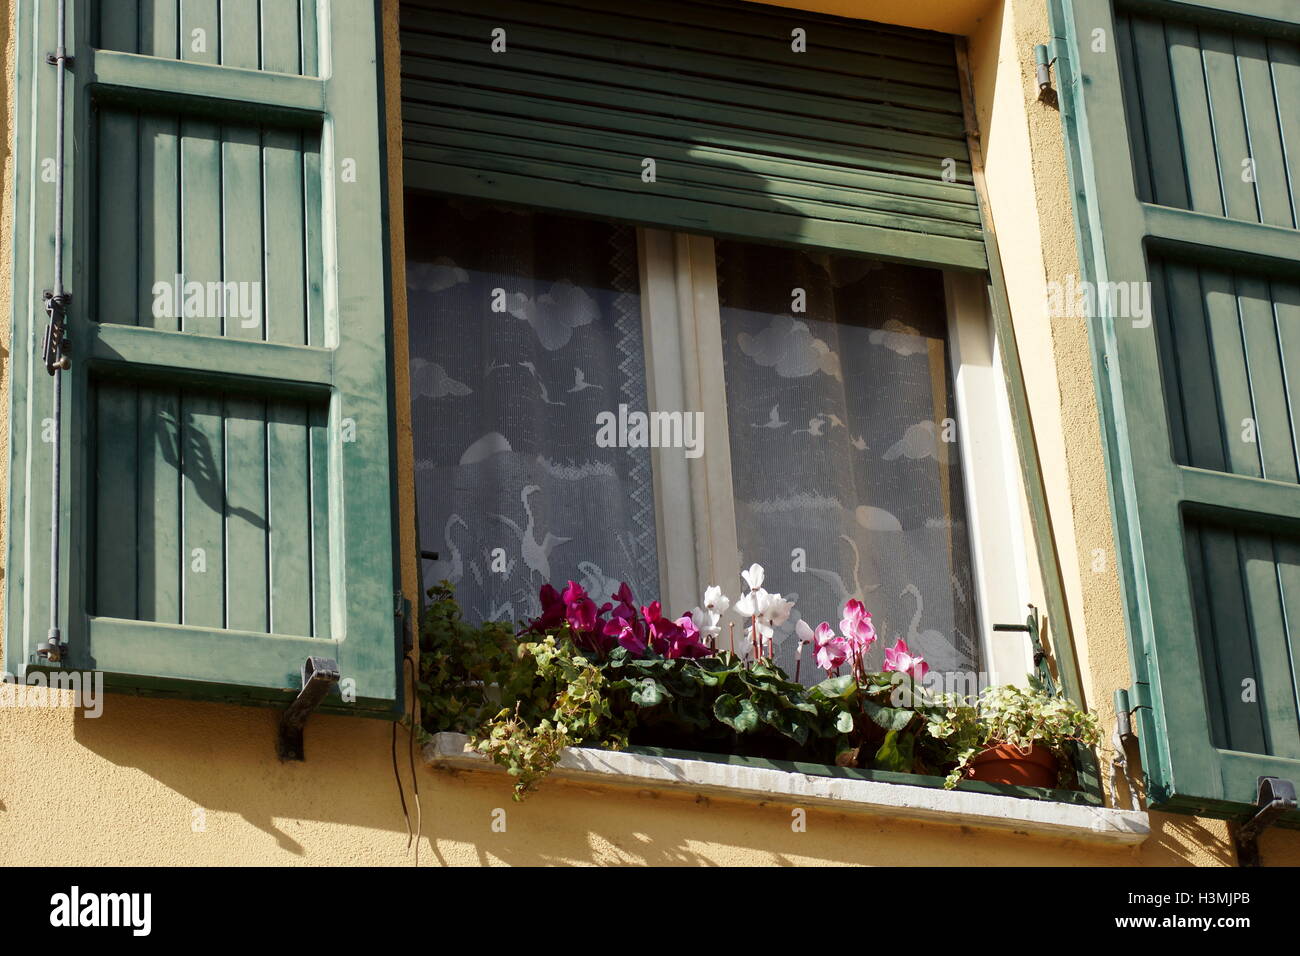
857	143
1195	199
226	503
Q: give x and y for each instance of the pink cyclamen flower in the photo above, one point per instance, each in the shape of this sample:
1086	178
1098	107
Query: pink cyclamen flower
857	627
829	649
686	641
899	658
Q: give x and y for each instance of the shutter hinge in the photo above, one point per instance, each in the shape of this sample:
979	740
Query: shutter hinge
402	614
1139	696
1124	710
1043	63
1276	797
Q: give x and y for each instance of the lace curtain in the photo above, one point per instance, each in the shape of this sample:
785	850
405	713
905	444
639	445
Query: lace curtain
523	327
838	418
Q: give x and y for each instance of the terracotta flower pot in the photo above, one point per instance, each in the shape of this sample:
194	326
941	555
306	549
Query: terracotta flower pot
1007	763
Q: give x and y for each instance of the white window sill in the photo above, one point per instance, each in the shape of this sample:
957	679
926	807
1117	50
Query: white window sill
763	785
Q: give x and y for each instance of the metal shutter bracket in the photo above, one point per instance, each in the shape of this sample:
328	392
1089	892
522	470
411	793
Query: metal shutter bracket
1276	797
319	677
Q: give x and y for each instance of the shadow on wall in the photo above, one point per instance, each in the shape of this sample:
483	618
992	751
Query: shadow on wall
221	758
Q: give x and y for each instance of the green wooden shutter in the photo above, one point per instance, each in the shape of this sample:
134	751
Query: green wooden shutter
227	503
857	144
1199	195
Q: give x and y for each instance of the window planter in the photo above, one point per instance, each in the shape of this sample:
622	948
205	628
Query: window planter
1062	814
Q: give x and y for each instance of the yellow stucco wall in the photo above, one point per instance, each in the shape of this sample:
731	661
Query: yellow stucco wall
133	786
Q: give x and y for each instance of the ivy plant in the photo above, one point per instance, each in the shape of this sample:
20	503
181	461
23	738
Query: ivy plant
1007	714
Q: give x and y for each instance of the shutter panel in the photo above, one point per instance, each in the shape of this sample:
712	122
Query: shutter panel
844	146
1198	196
227	505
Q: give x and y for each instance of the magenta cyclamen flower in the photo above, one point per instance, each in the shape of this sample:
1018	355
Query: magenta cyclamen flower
580	610
553	609
829	649
899	658
625	624
632	641
618	622
673	639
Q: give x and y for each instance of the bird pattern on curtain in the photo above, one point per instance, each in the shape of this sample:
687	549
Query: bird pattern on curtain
523	326
844	449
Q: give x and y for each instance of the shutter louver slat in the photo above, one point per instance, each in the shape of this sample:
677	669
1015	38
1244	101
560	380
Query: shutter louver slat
843	147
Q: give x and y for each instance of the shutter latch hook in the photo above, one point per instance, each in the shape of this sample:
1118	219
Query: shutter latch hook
58	345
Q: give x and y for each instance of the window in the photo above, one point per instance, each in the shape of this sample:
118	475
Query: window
849	409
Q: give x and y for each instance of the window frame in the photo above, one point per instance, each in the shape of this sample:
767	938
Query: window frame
681	320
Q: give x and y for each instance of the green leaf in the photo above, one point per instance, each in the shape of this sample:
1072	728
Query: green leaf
797	730
896	752
890	718
844	722
837	688
740	715
648	693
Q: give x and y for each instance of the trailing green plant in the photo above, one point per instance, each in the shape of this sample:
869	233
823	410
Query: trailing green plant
519	702
567	706
466	670
1007	714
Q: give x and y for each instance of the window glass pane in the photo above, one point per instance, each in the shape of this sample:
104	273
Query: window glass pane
838	417
523	328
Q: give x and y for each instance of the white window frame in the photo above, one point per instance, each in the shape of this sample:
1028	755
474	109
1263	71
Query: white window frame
694	501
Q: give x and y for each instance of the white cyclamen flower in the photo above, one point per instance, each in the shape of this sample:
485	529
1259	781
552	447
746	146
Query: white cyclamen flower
775	611
715	600
752	602
753	577
707	621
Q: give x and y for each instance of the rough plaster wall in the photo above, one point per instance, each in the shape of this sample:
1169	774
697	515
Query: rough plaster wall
128	783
